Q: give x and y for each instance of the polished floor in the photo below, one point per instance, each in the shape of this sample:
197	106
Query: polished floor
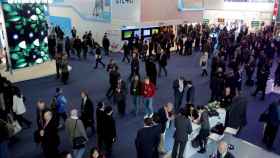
84	77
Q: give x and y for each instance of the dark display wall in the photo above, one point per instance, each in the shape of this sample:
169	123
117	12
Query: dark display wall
27	32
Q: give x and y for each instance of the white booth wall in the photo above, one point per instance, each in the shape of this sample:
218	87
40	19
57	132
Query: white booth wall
246	11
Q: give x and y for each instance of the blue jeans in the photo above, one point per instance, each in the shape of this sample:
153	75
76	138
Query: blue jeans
78	153
148	103
136	103
4	150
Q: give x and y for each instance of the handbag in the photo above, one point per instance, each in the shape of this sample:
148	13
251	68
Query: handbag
12	126
195	142
78	142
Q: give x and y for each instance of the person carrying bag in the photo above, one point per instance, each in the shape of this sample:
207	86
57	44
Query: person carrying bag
79	141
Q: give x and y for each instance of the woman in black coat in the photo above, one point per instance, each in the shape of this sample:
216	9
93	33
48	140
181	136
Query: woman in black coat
49	136
87	111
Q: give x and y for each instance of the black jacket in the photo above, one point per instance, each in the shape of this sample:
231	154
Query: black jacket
176	86
135	65
109	129
114	76
51	137
87	112
100	117
163	60
183	128
147	141
135	88
120	96
236	115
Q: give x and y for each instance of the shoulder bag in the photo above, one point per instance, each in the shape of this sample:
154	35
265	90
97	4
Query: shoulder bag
80	141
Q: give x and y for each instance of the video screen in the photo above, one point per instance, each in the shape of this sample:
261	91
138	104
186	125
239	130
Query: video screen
155	31
127	34
146	32
27	33
137	33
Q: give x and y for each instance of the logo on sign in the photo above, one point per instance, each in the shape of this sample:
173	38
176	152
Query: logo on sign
125	1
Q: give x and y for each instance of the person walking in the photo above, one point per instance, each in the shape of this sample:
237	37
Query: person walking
135	66
49	137
179	86
98	58
110	133
19	108
204	64
106	44
64	69
75	128
135	92
126	52
149	91
120	97
183	128
162	63
100	115
61	103
87	112
114	76
190	93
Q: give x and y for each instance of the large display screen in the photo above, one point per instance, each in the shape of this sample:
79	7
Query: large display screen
27	32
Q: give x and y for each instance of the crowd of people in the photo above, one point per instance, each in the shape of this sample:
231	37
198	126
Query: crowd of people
230	56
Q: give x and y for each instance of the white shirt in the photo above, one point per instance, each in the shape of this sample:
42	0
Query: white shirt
181	86
18	105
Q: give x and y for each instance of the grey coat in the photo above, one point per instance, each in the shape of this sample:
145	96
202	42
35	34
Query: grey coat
183	128
73	132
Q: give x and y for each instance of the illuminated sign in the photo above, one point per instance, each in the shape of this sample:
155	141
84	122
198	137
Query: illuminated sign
125	1
30	1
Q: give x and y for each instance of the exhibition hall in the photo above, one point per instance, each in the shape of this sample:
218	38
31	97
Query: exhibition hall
139	78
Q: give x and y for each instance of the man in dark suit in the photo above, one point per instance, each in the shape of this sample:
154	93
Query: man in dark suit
162	61
120	96
147	140
110	133
179	86
113	79
223	151
190	93
151	70
106	44
87	111
183	129
135	67
236	115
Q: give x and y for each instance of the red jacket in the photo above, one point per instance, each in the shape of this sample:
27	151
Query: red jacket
149	90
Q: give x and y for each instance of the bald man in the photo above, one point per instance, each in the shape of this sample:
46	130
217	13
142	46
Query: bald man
223	151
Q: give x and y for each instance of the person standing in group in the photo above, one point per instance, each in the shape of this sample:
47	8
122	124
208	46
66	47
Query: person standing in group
149	91
135	66
162	61
100	115
19	108
203	64
61	103
120	97
110	65
165	115
49	137
147	140
179	86
58	59
98	58
110	133
126	52
135	92
114	76
75	128
204	132
85	48
190	93
106	44
272	124
64	69
87	112
183	128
